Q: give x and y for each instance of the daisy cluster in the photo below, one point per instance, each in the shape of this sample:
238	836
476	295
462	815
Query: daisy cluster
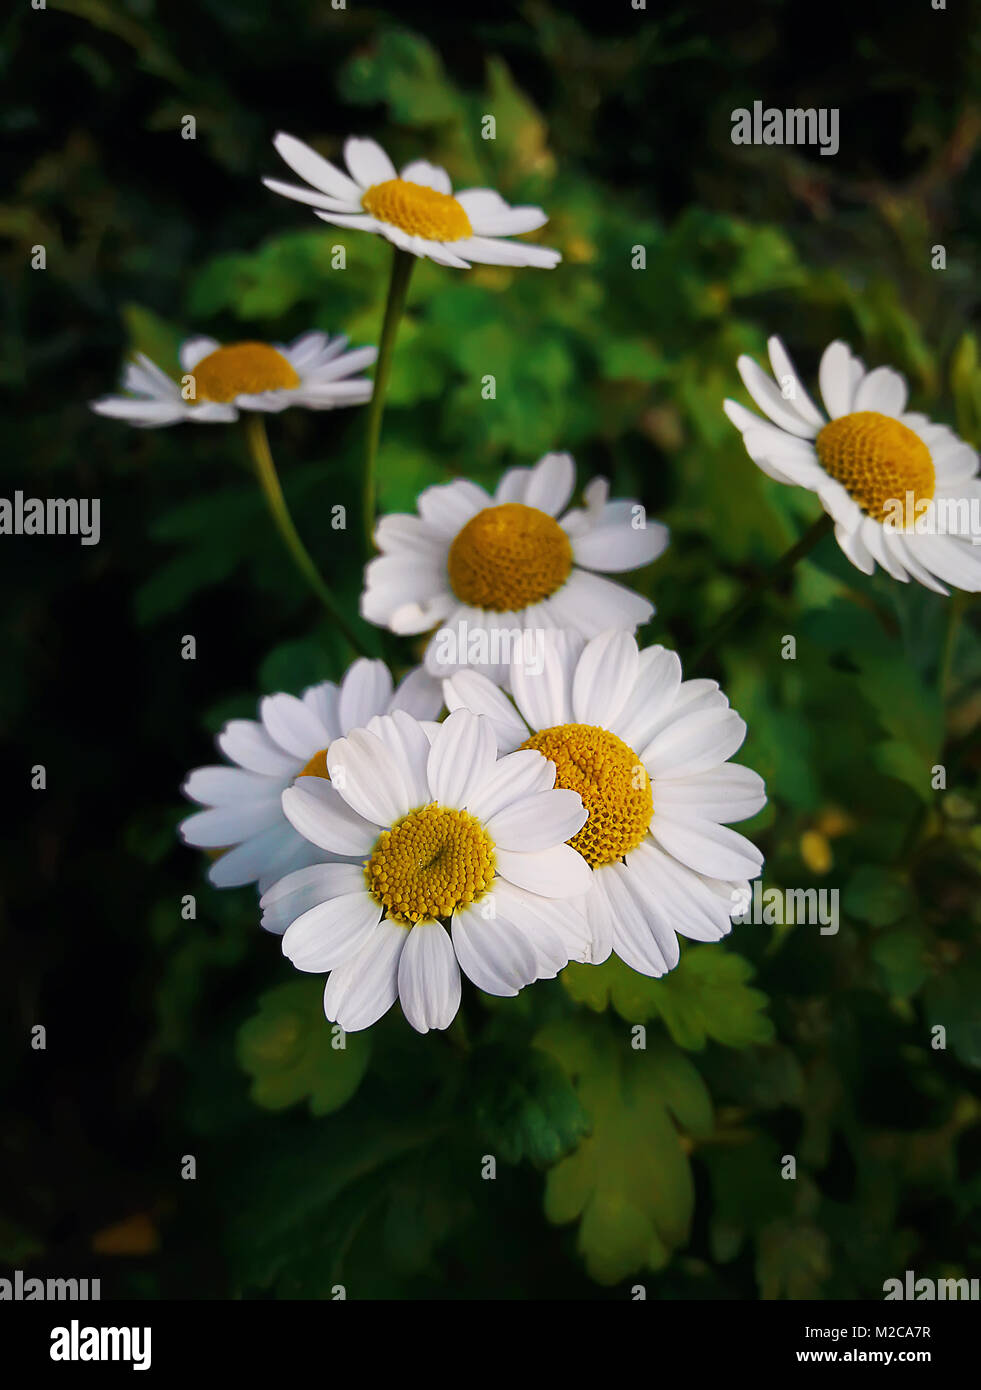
541	788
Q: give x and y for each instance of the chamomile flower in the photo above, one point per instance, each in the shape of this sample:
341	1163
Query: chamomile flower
648	753
896	484
290	739
315	371
460	865
416	209
486	567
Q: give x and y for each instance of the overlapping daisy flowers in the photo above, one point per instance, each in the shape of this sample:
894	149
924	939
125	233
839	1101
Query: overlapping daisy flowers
541	788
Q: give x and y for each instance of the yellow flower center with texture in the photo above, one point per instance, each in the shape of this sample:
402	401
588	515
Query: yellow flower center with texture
418	210
612	782
508	557
877	460
432	862
317	766
242	369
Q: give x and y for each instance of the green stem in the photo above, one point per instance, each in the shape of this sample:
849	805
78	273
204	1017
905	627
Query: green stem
265	471
958	602
398	288
784	565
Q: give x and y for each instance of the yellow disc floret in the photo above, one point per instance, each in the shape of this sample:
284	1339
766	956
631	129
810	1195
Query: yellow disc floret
242	369
432	862
612	782
878	460
508	557
418	210
317	766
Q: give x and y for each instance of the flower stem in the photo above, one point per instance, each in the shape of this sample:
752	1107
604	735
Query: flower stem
265	471
398	288
784	565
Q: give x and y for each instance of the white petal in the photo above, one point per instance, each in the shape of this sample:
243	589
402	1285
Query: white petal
536	822
516	775
429	978
321	815
694	743
293	726
461	758
559	872
605	676
708	848
725	794
654	691
366	985
227	825
407	740
688	904
883	390
218	786
315	169
332	932
492	951
545	698
429	176
491	251
641	935
551	482
596	604
195	350
447	507
367	162
768	397
295	893
786	373
418	694
369	776
473	691
835	379
365	691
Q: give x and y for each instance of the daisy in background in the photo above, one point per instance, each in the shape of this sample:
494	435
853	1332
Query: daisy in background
890	479
460	865
648	753
260	379
494	572
315	372
416	209
290	739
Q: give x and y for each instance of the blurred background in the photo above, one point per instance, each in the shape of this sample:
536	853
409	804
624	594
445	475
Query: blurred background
169	1037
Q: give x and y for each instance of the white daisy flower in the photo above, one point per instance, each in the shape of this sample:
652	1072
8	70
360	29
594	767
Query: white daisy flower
461	865
892	480
416	209
648	753
487	569
314	372
290	739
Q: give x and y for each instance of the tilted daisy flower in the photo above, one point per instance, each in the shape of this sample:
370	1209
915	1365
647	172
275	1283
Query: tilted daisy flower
487	569
290	739
461	865
416	209
899	487
315	371
648	753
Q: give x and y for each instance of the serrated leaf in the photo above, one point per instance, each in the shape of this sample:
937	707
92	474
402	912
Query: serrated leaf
629	1182
705	996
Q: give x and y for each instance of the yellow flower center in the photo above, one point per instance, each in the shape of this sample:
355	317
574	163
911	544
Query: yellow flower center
612	782
317	766
877	460
508	557
242	369
417	210
432	862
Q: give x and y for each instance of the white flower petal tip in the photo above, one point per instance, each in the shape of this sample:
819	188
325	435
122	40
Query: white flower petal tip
416	210
314	373
494	609
903	491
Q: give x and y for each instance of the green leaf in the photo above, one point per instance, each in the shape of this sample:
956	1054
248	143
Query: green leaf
526	1106
705	996
900	955
292	1053
628	1183
952	1000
